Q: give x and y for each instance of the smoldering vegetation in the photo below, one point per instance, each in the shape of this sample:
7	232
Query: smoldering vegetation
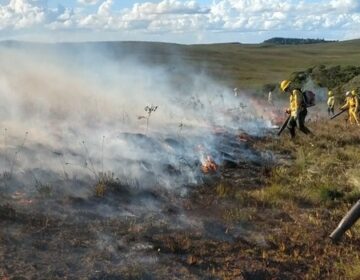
106	151
79	115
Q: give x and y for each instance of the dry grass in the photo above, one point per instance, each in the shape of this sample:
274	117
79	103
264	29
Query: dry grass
307	193
324	170
107	183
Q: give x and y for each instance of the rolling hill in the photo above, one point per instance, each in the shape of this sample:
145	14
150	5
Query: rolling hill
246	66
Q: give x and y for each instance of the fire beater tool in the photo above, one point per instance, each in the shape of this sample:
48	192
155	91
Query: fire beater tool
284	125
287	120
347	222
338	114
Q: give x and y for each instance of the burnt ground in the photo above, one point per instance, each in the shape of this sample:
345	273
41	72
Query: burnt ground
214	230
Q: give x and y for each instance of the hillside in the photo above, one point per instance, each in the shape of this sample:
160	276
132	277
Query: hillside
236	65
294	41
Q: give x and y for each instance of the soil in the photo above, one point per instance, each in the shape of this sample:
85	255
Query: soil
161	234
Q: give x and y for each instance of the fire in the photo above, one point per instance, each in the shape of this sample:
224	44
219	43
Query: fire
209	165
244	138
21	198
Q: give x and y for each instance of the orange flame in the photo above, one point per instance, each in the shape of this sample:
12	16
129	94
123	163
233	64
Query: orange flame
209	165
21	198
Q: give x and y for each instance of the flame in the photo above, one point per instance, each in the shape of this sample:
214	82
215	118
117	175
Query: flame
21	198
245	138
4	277
209	165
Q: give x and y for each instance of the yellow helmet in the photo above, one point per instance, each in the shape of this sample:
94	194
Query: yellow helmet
353	92
330	93
284	85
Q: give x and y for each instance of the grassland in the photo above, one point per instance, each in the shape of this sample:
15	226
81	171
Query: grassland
299	200
246	66
254	65
251	66
309	190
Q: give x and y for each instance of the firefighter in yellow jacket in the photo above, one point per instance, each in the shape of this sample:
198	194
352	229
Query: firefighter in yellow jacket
297	108
331	103
352	104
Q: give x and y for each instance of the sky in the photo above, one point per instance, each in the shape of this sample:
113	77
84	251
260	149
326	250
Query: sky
187	22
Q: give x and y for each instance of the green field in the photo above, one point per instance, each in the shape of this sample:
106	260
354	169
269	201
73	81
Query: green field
249	66
254	65
237	65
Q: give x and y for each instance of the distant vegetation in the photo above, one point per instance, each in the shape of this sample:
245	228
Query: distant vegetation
294	41
337	78
246	66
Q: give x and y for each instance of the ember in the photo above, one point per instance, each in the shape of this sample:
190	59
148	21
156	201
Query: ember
20	197
209	165
244	137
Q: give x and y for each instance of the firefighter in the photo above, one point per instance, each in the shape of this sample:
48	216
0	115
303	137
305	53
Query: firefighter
352	104
331	103
347	97
270	100
297	108
236	92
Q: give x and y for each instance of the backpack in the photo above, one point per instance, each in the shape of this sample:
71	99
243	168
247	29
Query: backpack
308	98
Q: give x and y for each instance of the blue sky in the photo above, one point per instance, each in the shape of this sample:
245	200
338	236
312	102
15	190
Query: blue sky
189	21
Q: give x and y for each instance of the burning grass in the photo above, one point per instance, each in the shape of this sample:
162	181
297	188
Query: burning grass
262	217
202	200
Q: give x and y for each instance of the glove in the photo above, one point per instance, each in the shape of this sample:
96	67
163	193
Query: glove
288	111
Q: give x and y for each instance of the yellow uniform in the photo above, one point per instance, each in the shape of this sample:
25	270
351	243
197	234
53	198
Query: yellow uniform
352	104
297	109
295	102
298	113
331	102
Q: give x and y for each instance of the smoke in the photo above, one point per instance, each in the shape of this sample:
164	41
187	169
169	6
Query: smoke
68	116
321	92
72	118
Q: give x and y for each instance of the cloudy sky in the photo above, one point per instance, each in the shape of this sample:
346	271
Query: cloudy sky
194	21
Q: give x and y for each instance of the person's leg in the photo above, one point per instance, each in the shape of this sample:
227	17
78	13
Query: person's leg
353	112
347	119
301	120
291	126
351	117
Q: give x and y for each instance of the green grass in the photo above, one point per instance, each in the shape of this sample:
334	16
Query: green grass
303	200
240	65
325	168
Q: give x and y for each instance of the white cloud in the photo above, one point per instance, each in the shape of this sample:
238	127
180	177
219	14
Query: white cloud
168	7
345	6
88	2
105	8
20	14
175	16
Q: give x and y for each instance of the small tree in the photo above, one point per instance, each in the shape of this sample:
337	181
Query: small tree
149	110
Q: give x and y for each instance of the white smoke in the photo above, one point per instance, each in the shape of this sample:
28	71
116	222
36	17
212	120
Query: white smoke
71	116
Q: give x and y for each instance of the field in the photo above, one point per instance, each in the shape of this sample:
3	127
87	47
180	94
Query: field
237	65
215	196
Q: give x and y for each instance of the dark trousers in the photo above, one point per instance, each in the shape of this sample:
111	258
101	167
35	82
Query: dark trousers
300	122
331	110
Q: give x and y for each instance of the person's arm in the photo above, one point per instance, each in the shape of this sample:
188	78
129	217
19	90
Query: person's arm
346	105
356	103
